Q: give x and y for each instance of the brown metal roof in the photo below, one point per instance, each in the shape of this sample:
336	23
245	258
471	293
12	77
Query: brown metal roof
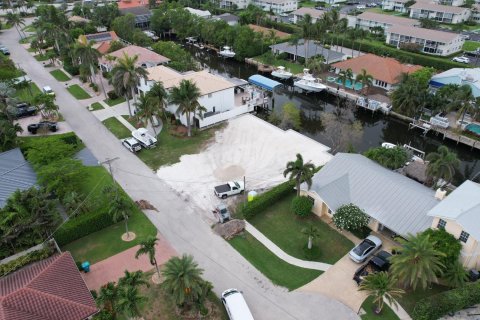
51	289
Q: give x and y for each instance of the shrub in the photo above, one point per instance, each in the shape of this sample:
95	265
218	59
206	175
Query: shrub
301	206
445	243
112	95
265	200
393	158
46	151
22	261
71	69
350	217
436	306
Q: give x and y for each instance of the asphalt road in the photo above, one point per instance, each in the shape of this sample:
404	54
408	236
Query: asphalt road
177	219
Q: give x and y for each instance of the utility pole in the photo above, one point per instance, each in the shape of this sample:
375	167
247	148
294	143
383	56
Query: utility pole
109	162
245	190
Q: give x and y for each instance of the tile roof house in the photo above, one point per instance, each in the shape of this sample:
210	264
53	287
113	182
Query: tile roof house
101	40
386	72
15	174
459	215
368	20
392	200
146	58
50	289
430	41
460	76
438	12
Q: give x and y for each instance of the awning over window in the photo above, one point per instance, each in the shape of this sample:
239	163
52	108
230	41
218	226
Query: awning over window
263	82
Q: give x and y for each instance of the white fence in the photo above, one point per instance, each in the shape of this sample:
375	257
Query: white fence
219	117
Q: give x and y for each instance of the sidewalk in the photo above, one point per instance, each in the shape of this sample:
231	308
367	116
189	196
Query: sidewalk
281	254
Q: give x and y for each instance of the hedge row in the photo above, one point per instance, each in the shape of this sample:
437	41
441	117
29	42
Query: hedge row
438	305
22	261
403	56
82	226
265	200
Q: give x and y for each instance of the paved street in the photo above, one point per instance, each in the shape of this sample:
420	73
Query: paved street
176	219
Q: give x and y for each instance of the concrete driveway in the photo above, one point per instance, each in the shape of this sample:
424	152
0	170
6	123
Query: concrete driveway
337	283
62	126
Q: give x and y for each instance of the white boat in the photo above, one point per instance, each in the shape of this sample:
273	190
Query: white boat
144	138
227	52
388	145
281	73
309	83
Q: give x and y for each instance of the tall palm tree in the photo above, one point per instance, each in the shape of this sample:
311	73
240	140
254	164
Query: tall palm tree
307	29
148	247
186	96
133	279
418	262
462	100
126	76
146	110
312	233
87	56
346	76
300	172
294	41
365	79
442	164
407	97
379	286
107	297
158	92
129	300
183	279
17	21
120	208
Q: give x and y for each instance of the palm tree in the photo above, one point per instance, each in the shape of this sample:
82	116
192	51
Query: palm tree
294	41
87	56
418	262
312	233
442	164
409	97
133	279
108	297
365	79
186	96
158	92
120	208
8	134
346	76
146	110
17	21
129	300
462	100
379	286
148	247
126	76
300	172
455	275
183	279
306	25
47	105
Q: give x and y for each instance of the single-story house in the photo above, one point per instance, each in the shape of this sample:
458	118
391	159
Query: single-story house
199	13
101	40
300	13
230	19
15	174
48	289
146	58
459	215
439	12
386	72
391	200
460	76
142	15
368	20
309	50
266	31
395	5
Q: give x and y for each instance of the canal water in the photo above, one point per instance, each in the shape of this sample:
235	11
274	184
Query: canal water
337	130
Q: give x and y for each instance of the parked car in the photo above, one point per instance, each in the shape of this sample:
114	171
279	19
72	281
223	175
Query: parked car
21	79
236	306
283	14
221	213
229	189
132	145
365	249
22	110
4	50
48	90
42	125
371	5
361	7
461	59
379	262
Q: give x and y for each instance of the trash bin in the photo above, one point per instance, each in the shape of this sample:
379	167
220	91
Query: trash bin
86	266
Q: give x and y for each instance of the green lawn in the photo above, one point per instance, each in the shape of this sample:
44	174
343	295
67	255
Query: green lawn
117	128
386	314
29	29
114	102
107	242
77	91
471	45
277	270
96	106
170	148
28	94
283	227
131	120
41	57
379	10
410	298
295	68
59	75
308	4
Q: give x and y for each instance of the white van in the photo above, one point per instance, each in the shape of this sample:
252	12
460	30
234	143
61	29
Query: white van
236	306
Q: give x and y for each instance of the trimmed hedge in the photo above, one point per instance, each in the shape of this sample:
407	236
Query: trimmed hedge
265	200
82	225
301	206
22	261
438	305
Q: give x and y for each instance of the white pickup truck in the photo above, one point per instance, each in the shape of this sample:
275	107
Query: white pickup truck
229	189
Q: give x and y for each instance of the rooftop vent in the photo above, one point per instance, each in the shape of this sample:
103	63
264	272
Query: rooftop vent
440	194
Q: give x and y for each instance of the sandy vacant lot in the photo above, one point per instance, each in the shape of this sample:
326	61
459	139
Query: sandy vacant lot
248	147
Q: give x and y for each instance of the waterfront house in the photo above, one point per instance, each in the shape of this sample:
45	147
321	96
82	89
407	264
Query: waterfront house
393	202
142	16
430	41
146	58
386	72
101	40
459	215
439	12
199	13
309	50
368	20
395	5
459	76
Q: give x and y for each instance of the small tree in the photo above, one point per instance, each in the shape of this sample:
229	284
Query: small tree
447	244
148	247
381	286
312	233
300	172
120	208
301	206
455	275
392	158
350	217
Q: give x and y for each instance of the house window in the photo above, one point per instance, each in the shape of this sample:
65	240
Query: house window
464	236
329	211
441	224
312	200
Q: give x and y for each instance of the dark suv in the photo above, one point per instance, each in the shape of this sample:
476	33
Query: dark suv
42	125
22	110
379	262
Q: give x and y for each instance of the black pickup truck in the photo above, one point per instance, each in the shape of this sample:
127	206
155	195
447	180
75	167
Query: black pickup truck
22	110
42	125
379	262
